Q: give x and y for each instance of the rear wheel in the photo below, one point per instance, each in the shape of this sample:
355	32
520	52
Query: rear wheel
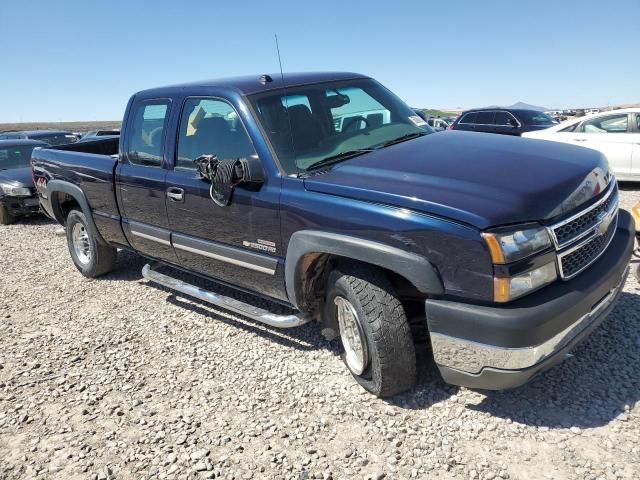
5	216
90	256
375	334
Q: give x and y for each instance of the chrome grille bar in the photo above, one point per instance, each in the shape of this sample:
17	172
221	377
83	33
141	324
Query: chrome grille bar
553	229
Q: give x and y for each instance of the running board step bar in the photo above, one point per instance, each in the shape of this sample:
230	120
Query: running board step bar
228	303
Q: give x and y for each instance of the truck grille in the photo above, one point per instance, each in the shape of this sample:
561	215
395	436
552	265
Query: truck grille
572	229
574	261
583	237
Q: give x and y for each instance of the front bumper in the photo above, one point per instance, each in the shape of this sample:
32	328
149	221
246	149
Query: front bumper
18	206
502	347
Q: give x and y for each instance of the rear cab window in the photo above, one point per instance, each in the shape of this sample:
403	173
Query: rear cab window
147	132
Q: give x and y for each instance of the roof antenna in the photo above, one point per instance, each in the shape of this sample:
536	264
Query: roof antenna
279	59
286	102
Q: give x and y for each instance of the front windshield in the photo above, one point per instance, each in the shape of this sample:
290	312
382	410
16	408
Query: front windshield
312	123
15	157
536	118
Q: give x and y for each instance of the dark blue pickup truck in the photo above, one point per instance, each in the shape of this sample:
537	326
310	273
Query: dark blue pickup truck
328	195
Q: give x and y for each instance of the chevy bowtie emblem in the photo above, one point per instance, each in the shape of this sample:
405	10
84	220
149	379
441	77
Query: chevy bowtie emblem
605	219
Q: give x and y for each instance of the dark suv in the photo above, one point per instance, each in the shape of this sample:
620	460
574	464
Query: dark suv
502	120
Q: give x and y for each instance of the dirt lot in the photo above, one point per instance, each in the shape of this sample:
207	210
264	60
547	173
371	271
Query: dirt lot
114	378
70	126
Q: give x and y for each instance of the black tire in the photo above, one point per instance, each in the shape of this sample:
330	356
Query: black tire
392	358
101	258
5	216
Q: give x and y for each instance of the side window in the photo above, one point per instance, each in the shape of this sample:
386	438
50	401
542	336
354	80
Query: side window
504	119
638	122
147	133
484	118
469	118
609	124
211	127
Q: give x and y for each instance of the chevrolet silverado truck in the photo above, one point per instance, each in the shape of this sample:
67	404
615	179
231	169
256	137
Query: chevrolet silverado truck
324	193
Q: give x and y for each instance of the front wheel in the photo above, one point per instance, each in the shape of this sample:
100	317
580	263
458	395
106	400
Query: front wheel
375	334
90	255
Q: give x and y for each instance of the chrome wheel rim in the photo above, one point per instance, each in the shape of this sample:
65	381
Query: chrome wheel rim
81	245
352	335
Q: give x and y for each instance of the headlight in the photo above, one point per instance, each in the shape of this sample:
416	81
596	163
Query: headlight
510	288
511	246
13	191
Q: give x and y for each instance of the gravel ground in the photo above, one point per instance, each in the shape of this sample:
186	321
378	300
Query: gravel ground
114	378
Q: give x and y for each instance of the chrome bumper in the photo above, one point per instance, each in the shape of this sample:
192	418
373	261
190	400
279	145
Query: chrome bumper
472	357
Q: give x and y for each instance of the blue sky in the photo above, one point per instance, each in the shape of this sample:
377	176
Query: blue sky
81	60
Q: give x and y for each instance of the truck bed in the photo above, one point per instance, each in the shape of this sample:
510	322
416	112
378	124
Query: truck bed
89	166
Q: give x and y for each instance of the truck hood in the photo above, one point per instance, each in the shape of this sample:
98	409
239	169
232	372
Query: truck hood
19	177
484	180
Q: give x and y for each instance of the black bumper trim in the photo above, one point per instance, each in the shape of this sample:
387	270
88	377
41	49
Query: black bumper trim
498	379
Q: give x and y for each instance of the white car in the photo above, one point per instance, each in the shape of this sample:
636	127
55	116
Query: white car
615	133
438	123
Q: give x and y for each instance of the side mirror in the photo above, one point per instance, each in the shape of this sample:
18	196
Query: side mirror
252	171
240	170
226	175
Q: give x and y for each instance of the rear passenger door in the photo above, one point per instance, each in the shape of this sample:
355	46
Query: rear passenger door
236	243
141	176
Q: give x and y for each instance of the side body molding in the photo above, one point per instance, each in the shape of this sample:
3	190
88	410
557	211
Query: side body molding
54	186
415	268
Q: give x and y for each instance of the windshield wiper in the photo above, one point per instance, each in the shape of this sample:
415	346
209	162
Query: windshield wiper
402	138
338	157
359	151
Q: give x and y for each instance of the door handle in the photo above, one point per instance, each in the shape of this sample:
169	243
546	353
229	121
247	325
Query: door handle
579	139
176	194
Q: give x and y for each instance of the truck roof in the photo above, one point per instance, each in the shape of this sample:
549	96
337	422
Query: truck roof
250	84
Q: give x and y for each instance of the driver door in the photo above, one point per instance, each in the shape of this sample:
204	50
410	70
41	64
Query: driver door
238	243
